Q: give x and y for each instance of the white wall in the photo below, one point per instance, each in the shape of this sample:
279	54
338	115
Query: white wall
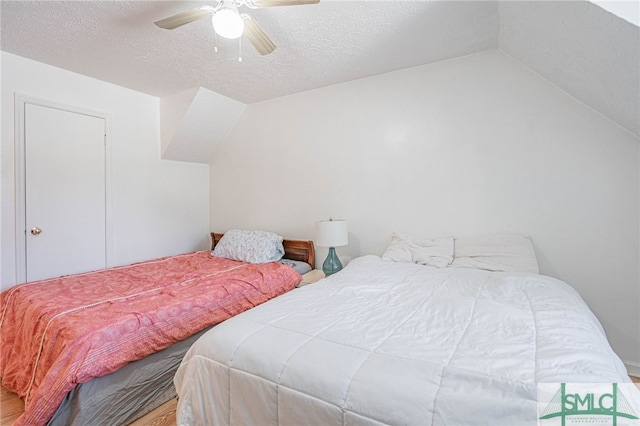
158	207
464	146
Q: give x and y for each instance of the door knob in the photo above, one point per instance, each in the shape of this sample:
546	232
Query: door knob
36	231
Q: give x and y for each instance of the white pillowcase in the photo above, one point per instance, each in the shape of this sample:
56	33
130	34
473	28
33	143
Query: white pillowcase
403	248
250	246
502	251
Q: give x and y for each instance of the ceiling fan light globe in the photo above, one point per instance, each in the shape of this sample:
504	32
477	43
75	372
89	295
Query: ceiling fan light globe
228	23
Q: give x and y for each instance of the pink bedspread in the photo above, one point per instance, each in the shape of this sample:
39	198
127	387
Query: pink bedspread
57	333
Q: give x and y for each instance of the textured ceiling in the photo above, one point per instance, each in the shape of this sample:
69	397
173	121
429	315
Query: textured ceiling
328	43
318	45
591	54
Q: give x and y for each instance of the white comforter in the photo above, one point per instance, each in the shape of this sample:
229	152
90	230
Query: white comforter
396	343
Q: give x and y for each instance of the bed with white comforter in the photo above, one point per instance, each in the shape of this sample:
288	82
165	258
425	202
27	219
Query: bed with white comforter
396	343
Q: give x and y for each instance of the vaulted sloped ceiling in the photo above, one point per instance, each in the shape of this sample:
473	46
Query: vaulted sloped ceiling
194	122
590	53
587	51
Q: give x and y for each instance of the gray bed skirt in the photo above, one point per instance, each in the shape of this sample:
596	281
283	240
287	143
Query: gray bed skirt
125	395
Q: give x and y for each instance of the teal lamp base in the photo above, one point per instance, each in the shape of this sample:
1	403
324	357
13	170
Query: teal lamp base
331	264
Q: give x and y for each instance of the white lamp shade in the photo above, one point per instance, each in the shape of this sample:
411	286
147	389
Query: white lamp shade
332	233
228	23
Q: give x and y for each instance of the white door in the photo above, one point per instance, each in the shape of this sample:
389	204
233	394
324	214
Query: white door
65	205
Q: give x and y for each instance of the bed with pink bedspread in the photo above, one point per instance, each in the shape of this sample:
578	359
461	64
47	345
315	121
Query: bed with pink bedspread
57	333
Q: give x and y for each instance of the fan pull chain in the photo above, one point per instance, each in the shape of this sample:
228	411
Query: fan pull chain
215	42
240	49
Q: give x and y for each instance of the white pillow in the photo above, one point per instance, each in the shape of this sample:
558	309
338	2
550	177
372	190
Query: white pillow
398	250
250	246
404	248
502	251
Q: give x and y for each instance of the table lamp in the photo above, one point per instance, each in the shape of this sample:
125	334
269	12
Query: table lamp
331	233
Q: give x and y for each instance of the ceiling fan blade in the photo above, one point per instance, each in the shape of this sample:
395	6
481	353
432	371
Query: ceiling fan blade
183	18
257	36
272	3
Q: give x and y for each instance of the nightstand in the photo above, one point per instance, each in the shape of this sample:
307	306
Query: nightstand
311	277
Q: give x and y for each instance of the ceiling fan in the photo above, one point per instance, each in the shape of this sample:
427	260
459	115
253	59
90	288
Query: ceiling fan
229	23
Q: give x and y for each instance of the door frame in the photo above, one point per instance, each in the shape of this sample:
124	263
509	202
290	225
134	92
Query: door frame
20	102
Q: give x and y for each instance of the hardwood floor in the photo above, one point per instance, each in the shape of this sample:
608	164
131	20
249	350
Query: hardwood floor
164	415
11	407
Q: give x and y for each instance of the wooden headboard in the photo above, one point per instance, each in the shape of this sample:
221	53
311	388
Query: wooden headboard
293	249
